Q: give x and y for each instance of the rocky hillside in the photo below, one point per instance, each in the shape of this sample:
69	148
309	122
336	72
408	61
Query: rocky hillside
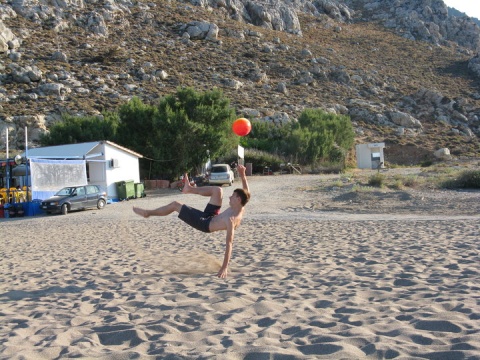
404	71
458	13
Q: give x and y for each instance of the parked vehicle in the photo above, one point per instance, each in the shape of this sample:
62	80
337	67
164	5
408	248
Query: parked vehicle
200	180
221	174
75	198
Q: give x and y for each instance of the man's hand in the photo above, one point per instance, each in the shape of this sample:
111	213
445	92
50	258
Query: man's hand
241	170
222	274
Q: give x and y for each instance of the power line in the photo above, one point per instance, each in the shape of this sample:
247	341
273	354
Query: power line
160	160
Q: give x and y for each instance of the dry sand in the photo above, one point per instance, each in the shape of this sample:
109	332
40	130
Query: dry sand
315	274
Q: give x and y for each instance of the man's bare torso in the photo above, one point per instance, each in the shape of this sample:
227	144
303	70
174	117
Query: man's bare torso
220	221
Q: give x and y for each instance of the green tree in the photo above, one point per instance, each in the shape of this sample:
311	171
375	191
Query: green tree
78	129
195	125
321	136
136	130
179	133
266	136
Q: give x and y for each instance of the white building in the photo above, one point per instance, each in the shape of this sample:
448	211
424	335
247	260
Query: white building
102	163
370	156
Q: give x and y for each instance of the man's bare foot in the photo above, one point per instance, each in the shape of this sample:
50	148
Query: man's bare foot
141	212
187	186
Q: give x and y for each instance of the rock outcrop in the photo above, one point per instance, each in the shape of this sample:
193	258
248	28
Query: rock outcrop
425	20
474	65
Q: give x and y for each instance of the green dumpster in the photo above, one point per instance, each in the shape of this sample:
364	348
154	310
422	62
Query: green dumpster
139	190
125	189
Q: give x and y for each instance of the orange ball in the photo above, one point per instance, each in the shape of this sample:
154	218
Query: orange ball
241	126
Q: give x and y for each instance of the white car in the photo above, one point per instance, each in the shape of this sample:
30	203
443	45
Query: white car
221	174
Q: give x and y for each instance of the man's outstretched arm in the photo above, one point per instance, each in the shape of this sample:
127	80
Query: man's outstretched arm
223	272
241	172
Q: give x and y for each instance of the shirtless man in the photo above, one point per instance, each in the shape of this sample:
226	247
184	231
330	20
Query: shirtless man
210	219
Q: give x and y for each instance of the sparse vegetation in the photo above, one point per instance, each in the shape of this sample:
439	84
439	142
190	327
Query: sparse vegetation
377	180
412	181
397	185
337	183
466	179
362	188
440	176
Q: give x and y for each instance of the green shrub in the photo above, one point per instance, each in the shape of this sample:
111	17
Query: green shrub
320	136
337	183
467	179
377	180
426	163
362	189
411	181
397	184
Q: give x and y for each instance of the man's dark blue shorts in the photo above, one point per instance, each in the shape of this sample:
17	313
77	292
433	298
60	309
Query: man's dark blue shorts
200	220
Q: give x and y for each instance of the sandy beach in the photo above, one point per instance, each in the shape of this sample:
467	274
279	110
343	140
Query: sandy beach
315	274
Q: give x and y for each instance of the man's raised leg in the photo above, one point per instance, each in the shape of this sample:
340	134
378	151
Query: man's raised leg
215	192
161	211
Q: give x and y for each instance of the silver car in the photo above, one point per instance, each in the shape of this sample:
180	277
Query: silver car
221	174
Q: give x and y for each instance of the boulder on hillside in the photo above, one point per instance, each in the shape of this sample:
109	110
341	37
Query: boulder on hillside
442	154
404	119
25	75
474	65
96	24
279	16
334	10
6	36
200	30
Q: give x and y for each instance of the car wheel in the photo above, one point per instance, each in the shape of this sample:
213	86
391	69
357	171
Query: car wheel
100	204
64	209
